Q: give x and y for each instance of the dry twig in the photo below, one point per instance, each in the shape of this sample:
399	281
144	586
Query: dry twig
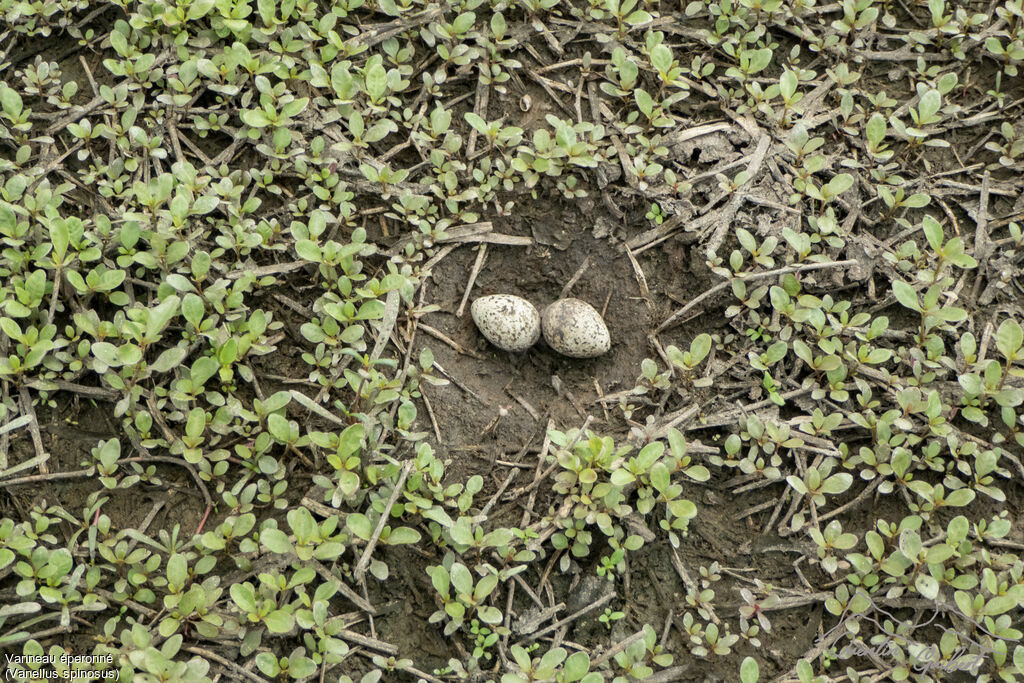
750	278
481	258
360	571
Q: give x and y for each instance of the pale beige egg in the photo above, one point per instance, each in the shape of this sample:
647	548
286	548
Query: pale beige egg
574	328
509	322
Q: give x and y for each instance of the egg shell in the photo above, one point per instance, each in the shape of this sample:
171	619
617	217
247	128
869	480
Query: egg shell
574	328
509	322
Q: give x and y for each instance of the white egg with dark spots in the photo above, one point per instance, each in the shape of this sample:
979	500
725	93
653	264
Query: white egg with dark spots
574	328
509	322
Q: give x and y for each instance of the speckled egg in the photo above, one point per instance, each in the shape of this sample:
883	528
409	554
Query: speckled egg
574	328
509	322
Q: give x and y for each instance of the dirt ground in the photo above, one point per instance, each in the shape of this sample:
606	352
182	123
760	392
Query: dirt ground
490	419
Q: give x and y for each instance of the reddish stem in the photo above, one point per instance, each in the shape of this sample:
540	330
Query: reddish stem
206	515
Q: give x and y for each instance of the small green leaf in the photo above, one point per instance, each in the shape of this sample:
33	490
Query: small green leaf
750	672
462	580
906	295
177	571
840	184
700	347
403	535
279	428
255	118
463	22
1000	604
759	60
376	81
489	614
576	667
622	477
639	17
439	579
204	205
797	483
932	232
267	663
929	107
279	621
244	596
276	541
875	129
837	483
927	586
359	525
294	108
788	83
960	498
1009	339
698	473
169	359
916	201
633	542
10	100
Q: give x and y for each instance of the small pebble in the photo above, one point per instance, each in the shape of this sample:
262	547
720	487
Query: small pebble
509	322
574	328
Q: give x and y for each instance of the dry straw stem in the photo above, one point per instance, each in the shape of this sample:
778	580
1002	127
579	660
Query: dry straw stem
511	475
616	649
537	480
724	219
226	663
360	571
387	323
478	264
572	617
33	427
803	268
441	336
344	589
575	278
